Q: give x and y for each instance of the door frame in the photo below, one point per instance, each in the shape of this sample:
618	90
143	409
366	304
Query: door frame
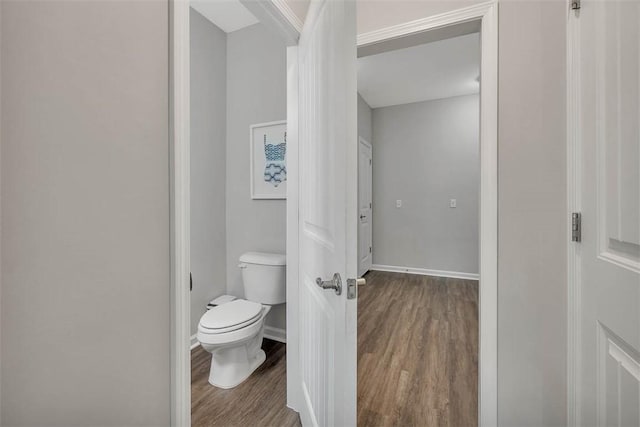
574	204
272	16
179	150
362	140
487	15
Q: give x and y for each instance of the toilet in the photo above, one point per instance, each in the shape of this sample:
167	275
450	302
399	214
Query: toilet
232	331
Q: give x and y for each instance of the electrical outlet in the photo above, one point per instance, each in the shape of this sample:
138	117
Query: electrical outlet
453	203
398	203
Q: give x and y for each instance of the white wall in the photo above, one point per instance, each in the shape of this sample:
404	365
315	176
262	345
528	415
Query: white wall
256	93
208	163
85	213
425	154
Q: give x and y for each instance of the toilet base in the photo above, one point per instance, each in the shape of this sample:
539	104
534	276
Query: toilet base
231	366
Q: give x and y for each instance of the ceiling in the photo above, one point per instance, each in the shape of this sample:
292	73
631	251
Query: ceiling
228	15
435	70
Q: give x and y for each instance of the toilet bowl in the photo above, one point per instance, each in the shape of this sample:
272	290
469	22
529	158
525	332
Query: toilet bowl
232	332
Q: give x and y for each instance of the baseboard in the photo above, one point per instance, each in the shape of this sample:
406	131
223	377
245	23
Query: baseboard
194	341
426	272
275	334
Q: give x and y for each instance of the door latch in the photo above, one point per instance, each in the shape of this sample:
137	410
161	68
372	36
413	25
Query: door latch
352	287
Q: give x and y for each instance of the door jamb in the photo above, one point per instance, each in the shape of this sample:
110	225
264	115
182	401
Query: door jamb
487	14
574	204
180	204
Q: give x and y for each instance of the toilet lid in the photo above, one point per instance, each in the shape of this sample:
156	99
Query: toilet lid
225	317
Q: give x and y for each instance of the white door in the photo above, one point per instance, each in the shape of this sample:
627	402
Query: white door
365	204
328	189
608	292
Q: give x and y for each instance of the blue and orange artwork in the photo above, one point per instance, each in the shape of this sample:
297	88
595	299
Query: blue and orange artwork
275	170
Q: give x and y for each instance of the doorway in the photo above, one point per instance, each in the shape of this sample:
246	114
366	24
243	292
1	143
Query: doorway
225	122
486	14
418	313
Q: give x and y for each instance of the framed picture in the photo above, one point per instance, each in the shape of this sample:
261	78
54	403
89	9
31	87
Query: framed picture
268	160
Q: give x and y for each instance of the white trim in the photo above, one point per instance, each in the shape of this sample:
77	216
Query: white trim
252	190
194	341
288	13
294	391
425	272
179	166
276	334
574	204
272	16
457	16
488	305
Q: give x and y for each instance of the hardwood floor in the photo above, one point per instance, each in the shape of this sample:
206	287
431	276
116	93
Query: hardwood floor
417	351
417	361
259	401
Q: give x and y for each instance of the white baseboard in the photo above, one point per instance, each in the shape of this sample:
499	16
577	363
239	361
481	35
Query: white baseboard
426	272
194	341
275	334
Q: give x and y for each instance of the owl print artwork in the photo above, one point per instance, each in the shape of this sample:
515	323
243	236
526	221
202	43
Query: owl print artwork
275	169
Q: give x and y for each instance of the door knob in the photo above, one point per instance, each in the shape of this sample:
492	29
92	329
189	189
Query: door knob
335	283
363	216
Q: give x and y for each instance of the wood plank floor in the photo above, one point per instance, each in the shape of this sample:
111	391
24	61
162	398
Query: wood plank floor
417	351
417	361
259	401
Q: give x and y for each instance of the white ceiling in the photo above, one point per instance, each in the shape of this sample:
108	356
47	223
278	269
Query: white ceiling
228	15
436	70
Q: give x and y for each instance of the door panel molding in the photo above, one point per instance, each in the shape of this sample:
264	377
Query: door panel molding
617	233
602	274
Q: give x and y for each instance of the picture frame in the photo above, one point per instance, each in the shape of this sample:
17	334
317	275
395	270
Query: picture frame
267	160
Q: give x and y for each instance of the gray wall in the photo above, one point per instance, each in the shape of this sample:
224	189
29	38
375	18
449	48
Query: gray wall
256	93
425	154
85	213
532	191
365	120
532	261
208	163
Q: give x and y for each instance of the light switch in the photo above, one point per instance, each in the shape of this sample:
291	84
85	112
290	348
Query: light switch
453	203
398	203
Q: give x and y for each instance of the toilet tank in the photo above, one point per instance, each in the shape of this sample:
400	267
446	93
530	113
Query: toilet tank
264	277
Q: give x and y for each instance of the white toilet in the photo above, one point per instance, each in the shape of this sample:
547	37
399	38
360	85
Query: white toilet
232	332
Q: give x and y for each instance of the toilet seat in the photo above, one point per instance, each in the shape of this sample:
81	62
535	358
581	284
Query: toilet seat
239	334
230	317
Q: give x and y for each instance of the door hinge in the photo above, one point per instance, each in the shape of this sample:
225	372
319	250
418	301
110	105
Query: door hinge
576	227
575	4
369	249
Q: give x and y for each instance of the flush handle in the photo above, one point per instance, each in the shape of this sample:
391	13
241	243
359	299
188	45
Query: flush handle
335	283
